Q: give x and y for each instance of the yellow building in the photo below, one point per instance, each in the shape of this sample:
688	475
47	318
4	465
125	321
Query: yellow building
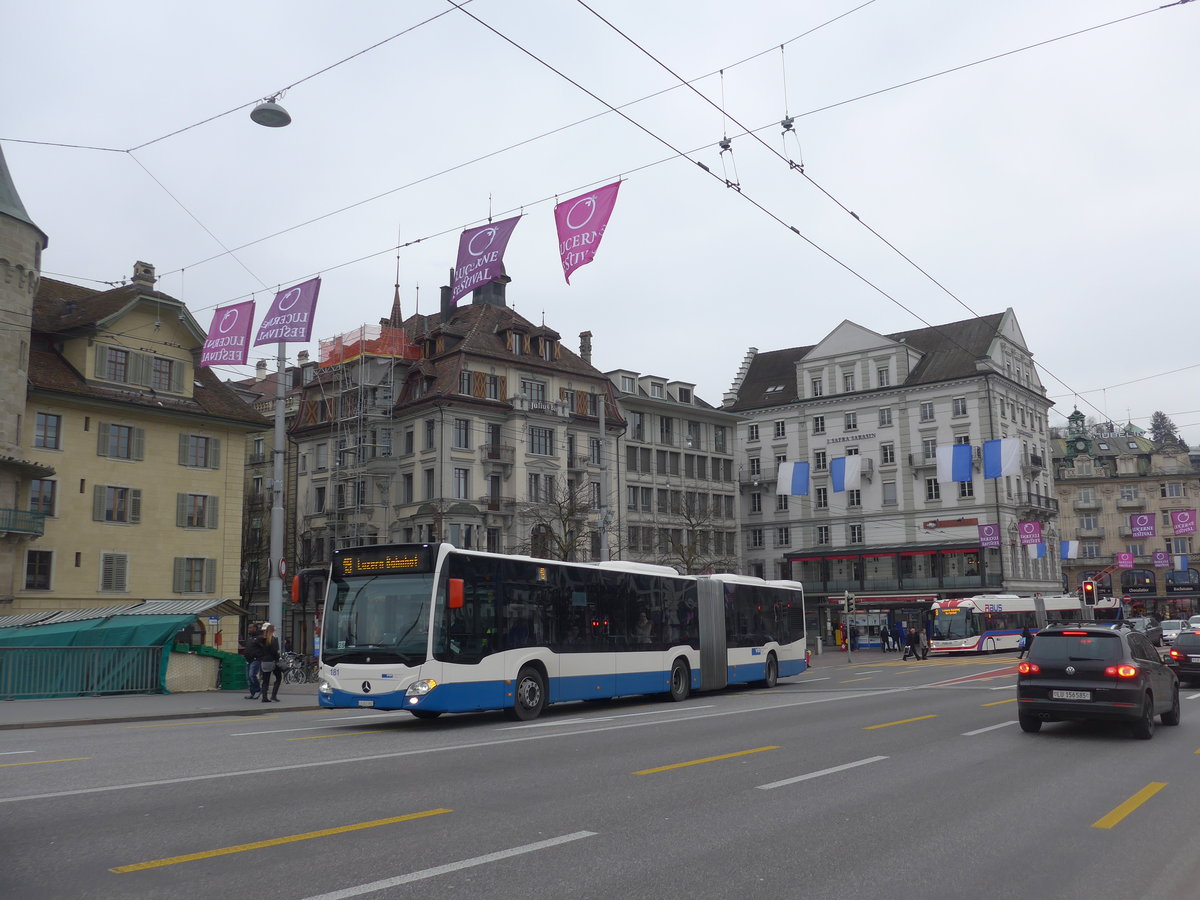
148	453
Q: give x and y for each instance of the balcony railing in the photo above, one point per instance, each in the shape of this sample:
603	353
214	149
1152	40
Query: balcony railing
1036	501
1083	505
1131	503
497	453
1090	533
920	461
497	504
22	521
761	477
1034	461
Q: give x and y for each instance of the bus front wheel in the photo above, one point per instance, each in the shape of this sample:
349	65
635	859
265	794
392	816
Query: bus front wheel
426	713
681	681
529	697
771	678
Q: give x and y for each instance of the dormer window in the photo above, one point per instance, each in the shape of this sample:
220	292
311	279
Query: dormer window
685	395
656	390
628	386
516	342
547	349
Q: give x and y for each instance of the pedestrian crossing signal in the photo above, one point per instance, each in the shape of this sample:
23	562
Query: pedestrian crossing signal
1089	593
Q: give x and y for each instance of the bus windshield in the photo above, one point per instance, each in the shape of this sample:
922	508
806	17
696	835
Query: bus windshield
955	624
377	619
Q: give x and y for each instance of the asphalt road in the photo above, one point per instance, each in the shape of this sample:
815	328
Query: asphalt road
871	780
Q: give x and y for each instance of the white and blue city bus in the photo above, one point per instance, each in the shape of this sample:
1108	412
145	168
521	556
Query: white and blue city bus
432	629
990	623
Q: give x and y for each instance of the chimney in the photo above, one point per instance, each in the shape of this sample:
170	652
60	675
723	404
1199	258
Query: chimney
260	370
492	293
143	274
302	357
447	305
585	346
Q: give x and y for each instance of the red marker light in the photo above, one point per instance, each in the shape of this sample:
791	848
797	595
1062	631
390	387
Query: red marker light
1121	671
1076	633
1175	654
1028	668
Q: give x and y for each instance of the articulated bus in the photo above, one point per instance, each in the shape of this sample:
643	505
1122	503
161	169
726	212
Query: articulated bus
989	623
432	629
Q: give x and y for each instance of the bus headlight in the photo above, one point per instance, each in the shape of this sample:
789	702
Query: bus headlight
420	688
324	687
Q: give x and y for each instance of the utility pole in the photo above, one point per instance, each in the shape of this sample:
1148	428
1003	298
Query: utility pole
603	511
278	564
848	608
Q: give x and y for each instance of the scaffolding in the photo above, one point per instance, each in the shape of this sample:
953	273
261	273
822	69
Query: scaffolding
366	366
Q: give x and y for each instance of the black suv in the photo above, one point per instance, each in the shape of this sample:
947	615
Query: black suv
1087	670
1185	656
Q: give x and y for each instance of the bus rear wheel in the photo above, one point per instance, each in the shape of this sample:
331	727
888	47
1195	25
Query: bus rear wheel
681	681
771	677
529	697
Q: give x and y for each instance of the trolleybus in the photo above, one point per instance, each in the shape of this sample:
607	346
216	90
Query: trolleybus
992	622
431	629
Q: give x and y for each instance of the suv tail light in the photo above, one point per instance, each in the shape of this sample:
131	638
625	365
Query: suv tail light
1175	654
1028	668
1121	671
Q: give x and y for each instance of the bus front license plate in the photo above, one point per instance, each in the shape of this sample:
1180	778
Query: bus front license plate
366	702
1070	695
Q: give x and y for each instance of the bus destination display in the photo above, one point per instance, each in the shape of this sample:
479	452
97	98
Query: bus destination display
380	561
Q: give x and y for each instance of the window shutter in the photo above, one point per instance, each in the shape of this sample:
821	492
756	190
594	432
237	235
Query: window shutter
120	572
139	369
135	505
183	449
102	439
177	377
214	453
98	493
508	340
211	507
557	351
181	501
137	441
101	360
210	576
177	585
503	381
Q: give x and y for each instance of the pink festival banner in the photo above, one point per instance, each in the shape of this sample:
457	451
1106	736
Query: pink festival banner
1183	521
290	317
989	536
1031	532
1124	560
581	222
1141	525
228	341
481	256
1162	559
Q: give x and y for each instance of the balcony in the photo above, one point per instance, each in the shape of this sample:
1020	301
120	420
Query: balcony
919	461
1036	501
497	453
22	521
553	408
1090	534
1082	505
1131	503
580	461
494	503
1033	461
763	476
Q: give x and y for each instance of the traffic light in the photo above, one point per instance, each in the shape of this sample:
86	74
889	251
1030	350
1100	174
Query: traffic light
1089	593
849	604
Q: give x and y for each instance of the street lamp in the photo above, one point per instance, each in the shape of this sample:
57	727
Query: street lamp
270	114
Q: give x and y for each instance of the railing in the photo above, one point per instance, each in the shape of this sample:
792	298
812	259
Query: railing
497	453
1034	461
497	504
763	475
22	521
1037	501
1080	505
580	461
1131	503
34	672
920	461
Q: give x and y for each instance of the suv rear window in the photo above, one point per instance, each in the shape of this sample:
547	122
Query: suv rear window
1188	640
1052	647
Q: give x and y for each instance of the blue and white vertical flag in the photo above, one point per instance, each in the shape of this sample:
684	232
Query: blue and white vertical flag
954	463
1001	457
846	472
1036	551
1068	549
792	479
1182	564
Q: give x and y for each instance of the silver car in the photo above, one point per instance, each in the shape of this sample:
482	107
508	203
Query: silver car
1171	629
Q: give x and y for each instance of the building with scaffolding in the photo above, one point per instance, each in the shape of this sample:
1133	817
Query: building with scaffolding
472	425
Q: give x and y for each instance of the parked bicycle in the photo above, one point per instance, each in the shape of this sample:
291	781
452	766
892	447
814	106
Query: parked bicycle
295	668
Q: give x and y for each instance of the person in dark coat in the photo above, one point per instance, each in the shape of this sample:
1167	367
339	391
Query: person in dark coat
268	658
250	652
913	645
1024	640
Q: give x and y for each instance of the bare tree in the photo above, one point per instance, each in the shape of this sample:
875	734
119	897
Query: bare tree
560	523
687	541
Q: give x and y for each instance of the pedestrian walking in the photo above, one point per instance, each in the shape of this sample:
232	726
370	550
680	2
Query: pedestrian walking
885	643
913	645
1023	641
250	652
268	659
923	643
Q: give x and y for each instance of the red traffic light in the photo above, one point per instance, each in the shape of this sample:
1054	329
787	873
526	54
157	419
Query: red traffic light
1089	593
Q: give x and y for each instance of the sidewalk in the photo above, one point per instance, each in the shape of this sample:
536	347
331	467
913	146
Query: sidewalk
142	707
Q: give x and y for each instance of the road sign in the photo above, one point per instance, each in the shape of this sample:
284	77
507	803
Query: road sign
214	620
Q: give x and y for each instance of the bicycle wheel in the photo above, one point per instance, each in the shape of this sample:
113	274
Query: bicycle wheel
293	676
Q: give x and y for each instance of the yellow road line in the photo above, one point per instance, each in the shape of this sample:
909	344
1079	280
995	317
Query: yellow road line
901	722
274	842
199	720
850	680
1000	702
318	737
42	762
708	759
1129	805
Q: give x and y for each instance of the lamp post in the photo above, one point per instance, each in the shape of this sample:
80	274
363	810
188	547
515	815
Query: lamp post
278	564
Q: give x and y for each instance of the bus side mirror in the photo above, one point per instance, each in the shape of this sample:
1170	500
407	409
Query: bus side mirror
455	597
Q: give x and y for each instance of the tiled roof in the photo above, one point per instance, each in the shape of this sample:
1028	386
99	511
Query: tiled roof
949	350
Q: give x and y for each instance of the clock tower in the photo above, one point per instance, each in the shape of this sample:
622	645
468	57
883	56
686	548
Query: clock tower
1079	442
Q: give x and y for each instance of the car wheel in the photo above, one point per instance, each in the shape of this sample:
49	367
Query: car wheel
1143	728
1030	724
772	674
529	697
1172	716
681	681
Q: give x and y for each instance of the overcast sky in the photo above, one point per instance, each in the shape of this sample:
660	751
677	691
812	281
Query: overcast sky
1061	181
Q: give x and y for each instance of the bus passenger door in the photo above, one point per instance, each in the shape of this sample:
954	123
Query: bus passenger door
714	653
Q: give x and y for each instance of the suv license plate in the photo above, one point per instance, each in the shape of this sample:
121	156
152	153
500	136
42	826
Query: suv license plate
1070	695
